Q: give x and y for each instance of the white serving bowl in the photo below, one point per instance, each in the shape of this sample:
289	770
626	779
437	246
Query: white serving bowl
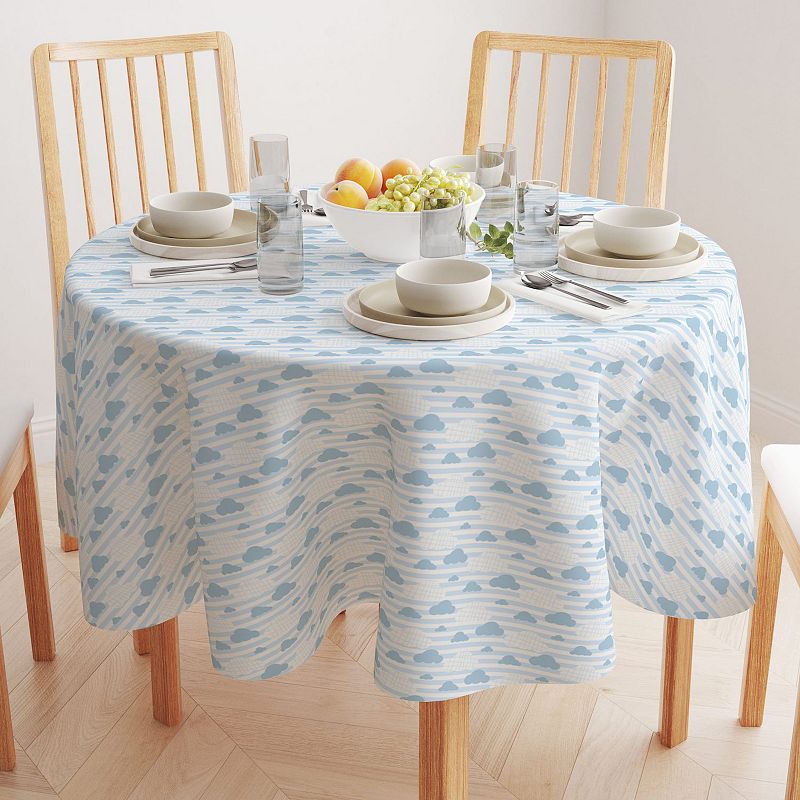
384	235
443	287
191	215
636	231
459	163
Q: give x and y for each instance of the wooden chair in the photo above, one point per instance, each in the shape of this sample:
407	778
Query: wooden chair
161	639
778	536
577	49
18	477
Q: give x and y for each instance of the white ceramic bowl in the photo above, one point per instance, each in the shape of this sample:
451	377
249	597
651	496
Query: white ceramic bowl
443	287
384	235
191	215
460	163
636	231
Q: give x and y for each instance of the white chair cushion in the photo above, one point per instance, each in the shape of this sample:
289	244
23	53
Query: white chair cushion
781	463
15	415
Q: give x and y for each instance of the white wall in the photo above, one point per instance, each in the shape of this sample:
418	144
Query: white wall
734	167
340	78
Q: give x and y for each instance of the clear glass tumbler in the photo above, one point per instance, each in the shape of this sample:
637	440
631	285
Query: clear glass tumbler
442	232
535	226
269	165
496	174
280	243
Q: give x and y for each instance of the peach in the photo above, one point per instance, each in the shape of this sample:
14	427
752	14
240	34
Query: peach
398	166
348	193
363	172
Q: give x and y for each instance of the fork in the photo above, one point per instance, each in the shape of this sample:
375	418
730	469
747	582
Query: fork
558	281
306	207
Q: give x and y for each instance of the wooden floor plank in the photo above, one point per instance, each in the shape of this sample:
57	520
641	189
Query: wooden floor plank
25	782
352	630
721	791
744	789
547	742
737	759
126	755
90	714
240	779
669	774
618	742
188	763
494	719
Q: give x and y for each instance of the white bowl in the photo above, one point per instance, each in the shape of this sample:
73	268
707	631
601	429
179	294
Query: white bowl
636	231
191	215
385	235
443	287
457	163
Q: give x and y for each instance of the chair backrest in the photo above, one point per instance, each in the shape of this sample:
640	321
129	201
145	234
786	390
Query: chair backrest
129	50
577	49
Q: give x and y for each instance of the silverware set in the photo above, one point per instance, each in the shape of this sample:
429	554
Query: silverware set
547	280
241	265
307	208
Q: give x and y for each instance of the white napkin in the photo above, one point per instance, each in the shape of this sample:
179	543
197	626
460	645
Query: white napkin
140	272
561	302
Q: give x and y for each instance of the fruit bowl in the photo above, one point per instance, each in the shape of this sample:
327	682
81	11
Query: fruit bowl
381	235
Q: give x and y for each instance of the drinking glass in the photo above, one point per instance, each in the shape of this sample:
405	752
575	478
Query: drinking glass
269	165
496	173
535	226
280	243
442	232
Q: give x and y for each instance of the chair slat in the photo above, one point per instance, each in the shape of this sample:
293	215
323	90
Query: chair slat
80	132
599	120
627	125
541	115
512	97
133	92
569	126
197	133
111	150
166	123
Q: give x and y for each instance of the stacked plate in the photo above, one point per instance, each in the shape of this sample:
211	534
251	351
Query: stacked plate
377	309
580	254
238	240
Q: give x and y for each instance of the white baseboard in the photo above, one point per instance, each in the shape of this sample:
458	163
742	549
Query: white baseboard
44	439
774	420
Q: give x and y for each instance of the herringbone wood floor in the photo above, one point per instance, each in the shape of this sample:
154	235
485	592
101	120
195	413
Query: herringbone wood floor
84	730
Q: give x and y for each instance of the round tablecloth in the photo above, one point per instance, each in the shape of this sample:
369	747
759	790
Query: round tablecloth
259	453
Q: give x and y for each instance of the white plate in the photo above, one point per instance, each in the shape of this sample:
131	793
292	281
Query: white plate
581	246
243	229
425	333
380	302
631	274
191	253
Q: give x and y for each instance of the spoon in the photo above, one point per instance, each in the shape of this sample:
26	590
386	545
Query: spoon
568	220
235	266
535	281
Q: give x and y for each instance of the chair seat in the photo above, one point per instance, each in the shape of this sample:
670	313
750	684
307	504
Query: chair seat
781	463
15	416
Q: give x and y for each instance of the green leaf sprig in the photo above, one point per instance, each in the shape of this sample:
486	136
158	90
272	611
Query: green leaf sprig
497	240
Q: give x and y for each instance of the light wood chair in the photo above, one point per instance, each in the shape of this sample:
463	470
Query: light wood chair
578	51
778	536
18	477
162	639
678	633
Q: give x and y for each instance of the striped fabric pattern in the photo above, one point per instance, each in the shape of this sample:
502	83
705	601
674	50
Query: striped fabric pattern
259	453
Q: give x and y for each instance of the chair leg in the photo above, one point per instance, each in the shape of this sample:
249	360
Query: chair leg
34	566
69	544
444	749
762	623
165	672
676	680
141	641
793	776
8	756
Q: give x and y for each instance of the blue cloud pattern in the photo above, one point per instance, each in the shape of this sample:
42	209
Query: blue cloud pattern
489	492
